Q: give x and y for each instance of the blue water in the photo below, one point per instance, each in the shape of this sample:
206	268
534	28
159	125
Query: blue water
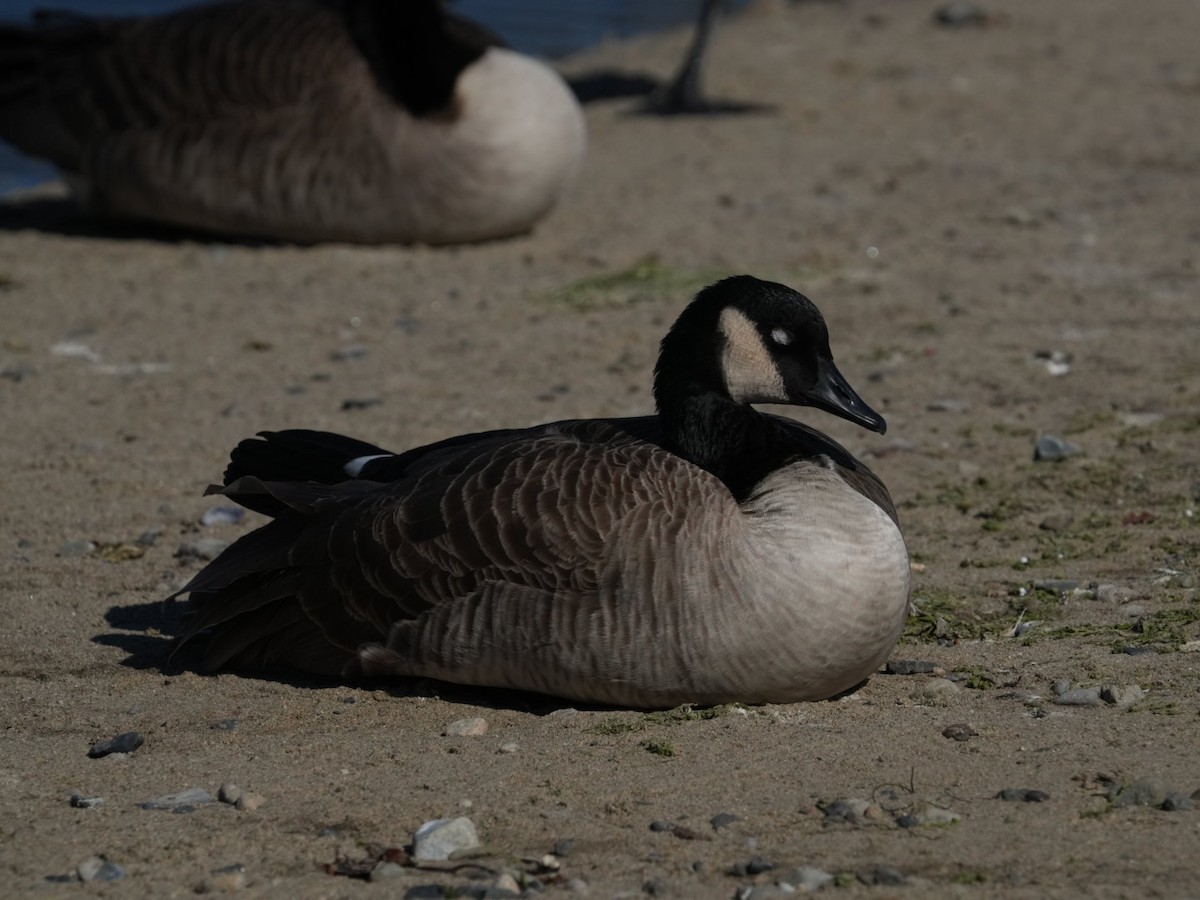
546	28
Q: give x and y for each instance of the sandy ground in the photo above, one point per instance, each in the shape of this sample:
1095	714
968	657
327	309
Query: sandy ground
958	201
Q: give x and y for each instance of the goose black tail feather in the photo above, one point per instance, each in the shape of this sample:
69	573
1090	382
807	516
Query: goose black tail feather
297	455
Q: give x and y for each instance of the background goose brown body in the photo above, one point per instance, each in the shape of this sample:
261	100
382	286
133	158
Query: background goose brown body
295	119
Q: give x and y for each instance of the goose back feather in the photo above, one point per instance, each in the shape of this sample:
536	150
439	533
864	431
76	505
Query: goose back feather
358	120
586	558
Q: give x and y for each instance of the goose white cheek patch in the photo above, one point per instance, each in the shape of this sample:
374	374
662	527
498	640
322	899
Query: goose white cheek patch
355	466
751	376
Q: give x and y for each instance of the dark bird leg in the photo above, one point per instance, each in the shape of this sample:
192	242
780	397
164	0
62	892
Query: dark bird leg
684	94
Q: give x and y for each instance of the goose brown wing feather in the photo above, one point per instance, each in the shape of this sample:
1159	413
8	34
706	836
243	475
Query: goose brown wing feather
533	510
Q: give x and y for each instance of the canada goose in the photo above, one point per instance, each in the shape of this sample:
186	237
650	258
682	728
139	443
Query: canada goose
302	120
708	554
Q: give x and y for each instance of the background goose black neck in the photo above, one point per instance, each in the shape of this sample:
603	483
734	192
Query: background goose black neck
416	50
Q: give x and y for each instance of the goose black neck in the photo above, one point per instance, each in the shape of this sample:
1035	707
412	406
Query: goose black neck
700	421
416	49
731	440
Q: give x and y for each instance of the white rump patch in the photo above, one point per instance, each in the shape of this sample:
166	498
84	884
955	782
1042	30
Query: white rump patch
355	466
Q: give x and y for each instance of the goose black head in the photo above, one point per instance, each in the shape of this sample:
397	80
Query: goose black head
755	341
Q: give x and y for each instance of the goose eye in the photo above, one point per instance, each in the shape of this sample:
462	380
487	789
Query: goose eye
781	337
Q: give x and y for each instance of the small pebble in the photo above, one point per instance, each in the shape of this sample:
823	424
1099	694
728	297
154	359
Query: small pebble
473	727
439	838
97	868
659	825
1061	686
229	793
201	549
1112	593
909	667
122	743
1052	449
881	875
935	692
353	351
656	887
183	800
504	885
226	880
959	732
931	815
960	14
385	870
1177	802
1057	521
804	879
1056	585
1089	696
249	801
755	865
75	549
225	725
81	802
353	404
222	515
563	847
509	747
723	820
1022	795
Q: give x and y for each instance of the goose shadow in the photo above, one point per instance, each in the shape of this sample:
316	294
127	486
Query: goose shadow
148	633
49	211
616	84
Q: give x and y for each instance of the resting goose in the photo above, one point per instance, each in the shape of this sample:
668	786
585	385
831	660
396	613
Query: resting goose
302	120
707	554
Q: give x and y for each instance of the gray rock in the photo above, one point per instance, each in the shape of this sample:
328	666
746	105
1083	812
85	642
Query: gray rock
656	887
1061	686
440	838
229	793
1122	696
185	799
1089	696
1140	792
122	743
1052	449
97	868
660	825
563	847
353	404
81	802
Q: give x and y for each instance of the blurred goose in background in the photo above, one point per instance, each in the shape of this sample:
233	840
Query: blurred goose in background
301	120
706	554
